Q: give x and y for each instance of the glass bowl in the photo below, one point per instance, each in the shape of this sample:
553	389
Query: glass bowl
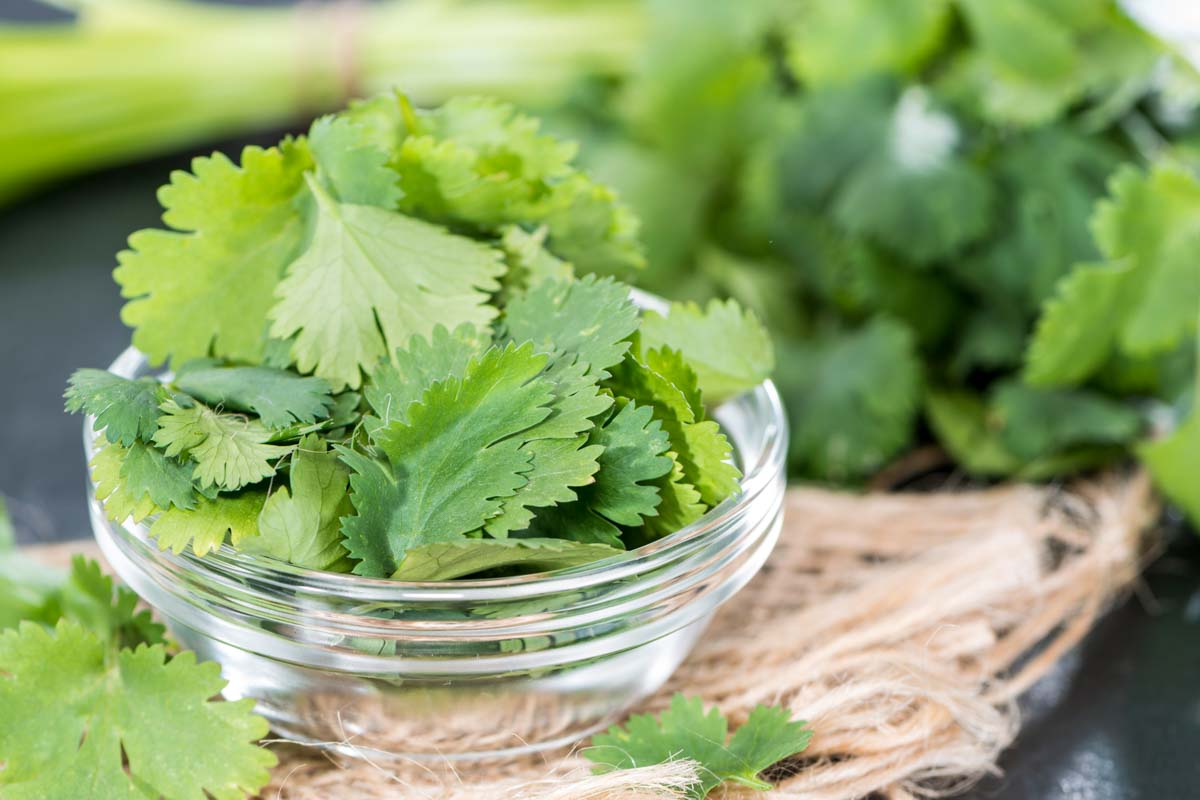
468	668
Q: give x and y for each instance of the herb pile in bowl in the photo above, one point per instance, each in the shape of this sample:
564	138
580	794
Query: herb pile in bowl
397	349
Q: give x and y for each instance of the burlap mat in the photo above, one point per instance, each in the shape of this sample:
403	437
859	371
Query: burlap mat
903	626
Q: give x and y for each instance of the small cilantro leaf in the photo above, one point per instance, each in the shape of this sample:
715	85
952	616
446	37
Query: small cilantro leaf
302	526
126	410
205	526
634	444
440	561
686	732
73	709
230	451
119	502
557	468
727	346
205	288
280	398
450	464
356	168
591	318
372	279
147	472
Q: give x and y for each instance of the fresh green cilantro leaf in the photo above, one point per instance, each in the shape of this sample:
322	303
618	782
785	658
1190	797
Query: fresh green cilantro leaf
441	561
130	725
681	504
230	451
529	262
578	400
590	227
450	464
852	397
29	590
147	472
727	346
90	598
205	526
686	731
1174	463
355	168
205	288
592	318
372	279
280	398
633	456
126	410
557	468
302	526
119	502
1076	334
1040	422
1150	222
400	382
838	42
700	446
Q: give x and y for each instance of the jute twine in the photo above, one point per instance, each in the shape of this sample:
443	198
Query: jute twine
902	626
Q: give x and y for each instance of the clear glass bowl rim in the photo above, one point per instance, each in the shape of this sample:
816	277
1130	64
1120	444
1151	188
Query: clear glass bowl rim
224	564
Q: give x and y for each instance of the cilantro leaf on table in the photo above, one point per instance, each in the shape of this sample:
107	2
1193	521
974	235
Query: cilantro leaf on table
302	526
727	346
278	397
206	526
450	464
370	280
592	318
686	731
127	724
125	410
440	561
205	288
230	451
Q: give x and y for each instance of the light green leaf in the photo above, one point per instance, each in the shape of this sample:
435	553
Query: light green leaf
230	451
205	290
1174	464
372	279
205	526
1078	327
280	398
147	472
74	712
450	464
119	502
303	526
728	347
356	170
126	410
441	561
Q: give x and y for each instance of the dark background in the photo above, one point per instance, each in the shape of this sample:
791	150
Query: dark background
1118	720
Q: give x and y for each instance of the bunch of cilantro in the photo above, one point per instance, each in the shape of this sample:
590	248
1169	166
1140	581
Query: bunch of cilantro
398	350
966	222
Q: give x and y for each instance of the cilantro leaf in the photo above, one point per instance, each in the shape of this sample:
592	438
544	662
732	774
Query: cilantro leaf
529	262
686	731
681	504
557	468
450	464
1075	334
205	288
119	502
205	526
230	451
852	397
592	318
302	526
126	410
90	597
280	398
355	168
590	227
372	279
634	443
727	346
699	445
440	561
1174	461
400	382
73	710
1041	422
146	472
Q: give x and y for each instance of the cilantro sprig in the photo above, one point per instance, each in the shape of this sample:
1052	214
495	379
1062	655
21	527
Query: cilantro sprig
399	351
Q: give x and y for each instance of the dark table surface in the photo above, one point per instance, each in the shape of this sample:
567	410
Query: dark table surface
1119	720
